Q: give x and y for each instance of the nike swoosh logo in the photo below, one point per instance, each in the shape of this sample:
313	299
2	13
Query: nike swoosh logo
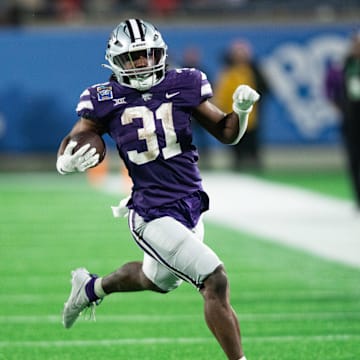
169	96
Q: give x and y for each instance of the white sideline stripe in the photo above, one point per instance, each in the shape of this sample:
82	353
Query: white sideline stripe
319	224
147	341
29	319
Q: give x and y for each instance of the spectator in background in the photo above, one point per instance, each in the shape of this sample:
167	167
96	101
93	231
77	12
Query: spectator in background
241	69
10	14
343	90
69	10
163	7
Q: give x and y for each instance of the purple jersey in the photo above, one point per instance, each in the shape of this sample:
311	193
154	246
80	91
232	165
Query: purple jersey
152	132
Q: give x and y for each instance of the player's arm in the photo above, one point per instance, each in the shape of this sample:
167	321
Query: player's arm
228	128
85	157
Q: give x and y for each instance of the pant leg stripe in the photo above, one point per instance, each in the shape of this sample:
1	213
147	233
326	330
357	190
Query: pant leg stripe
146	247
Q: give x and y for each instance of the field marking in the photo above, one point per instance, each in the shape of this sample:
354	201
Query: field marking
104	342
319	224
39	298
181	340
30	319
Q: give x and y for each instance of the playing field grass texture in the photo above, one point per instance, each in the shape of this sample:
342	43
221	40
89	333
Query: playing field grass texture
292	305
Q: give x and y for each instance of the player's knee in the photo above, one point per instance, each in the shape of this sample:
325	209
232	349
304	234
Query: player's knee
216	285
149	285
165	286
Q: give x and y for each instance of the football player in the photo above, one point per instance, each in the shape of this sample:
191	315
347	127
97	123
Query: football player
146	109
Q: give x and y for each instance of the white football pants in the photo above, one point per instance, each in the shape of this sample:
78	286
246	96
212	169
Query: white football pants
172	252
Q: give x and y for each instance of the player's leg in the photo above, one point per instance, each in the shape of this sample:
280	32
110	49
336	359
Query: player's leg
220	317
87	289
357	165
129	277
183	253
136	276
351	135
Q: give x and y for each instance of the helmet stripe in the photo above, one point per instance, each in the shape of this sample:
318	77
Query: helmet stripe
131	33
141	30
135	29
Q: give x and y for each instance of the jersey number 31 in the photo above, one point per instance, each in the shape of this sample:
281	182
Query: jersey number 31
148	132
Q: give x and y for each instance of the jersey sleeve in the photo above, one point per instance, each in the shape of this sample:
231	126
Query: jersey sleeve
196	85
205	90
85	107
96	102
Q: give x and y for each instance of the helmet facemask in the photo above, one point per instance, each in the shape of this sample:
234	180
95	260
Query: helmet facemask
140	69
137	62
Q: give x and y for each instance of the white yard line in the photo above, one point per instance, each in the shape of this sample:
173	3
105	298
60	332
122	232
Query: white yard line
156	319
104	342
325	226
21	298
192	340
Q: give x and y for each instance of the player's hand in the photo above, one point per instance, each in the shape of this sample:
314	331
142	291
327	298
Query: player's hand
81	160
243	98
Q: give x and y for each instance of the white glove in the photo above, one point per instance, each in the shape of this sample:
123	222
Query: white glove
81	160
244	98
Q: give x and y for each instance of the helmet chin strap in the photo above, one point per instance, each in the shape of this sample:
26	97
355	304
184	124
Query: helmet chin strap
143	84
107	66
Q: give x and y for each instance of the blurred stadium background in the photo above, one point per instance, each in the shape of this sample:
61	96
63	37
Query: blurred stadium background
52	50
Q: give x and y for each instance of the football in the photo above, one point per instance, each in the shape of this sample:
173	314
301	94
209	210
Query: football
92	138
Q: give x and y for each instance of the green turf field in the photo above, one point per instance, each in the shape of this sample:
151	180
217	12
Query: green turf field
291	305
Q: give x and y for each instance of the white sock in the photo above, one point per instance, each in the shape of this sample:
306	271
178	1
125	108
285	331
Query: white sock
99	291
243	358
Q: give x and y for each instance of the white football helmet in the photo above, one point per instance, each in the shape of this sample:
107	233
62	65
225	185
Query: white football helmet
137	54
